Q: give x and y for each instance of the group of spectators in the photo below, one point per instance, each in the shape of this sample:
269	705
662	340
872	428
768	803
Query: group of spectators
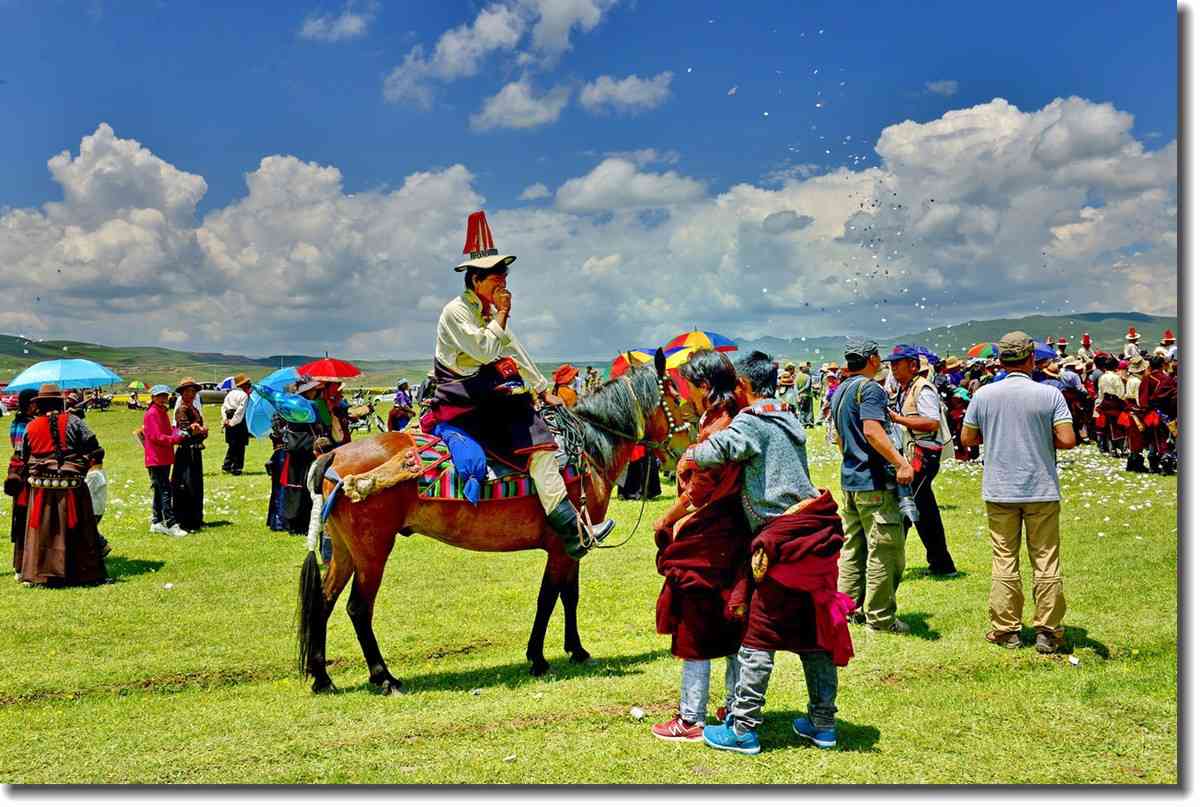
747	506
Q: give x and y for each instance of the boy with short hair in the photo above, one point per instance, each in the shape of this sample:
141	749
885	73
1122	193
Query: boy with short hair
795	605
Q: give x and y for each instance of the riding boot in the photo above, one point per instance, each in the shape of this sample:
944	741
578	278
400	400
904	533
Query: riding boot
565	520
1154	462
1135	464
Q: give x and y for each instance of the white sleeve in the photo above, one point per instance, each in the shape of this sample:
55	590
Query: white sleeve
484	345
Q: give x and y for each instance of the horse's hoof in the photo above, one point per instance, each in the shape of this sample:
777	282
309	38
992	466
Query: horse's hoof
581	656
389	687
323	687
539	668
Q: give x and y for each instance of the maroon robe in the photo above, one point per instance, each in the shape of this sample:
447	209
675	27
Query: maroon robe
796	605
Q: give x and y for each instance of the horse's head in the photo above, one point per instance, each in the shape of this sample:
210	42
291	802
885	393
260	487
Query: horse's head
671	429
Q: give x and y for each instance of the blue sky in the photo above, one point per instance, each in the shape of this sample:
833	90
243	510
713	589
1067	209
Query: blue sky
212	89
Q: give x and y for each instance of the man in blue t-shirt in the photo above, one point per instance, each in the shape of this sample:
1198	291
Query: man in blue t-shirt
1021	424
872	559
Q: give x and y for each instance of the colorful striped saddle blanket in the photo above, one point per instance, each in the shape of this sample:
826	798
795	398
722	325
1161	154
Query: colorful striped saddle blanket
440	481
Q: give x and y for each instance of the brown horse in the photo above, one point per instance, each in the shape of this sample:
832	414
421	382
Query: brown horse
640	407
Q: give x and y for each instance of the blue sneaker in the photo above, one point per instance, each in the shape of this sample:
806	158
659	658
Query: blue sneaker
821	738
723	738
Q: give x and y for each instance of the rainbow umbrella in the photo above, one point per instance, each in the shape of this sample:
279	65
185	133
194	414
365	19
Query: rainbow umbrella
984	350
701	339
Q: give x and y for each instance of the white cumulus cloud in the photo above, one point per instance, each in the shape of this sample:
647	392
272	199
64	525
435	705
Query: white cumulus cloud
630	94
518	106
498	28
617	183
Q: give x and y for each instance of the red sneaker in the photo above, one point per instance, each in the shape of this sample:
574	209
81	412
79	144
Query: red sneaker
679	730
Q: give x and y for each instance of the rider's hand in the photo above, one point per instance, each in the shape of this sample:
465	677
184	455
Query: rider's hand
503	298
904	474
551	399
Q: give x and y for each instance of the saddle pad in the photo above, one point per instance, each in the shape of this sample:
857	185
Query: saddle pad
440	481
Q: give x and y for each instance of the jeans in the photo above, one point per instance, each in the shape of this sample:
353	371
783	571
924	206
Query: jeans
754	674
693	695
160	484
929	523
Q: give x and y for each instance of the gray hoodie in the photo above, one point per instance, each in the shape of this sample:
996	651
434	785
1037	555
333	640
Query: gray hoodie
768	441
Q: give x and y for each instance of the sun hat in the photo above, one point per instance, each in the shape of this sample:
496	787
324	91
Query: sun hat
48	392
1062	341
1138	365
187	382
1133	335
480	246
1015	346
953	362
1051	369
159	389
241	380
1168	336
565	374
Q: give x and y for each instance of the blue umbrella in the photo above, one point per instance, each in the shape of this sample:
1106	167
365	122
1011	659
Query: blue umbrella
265	403
227	384
66	373
280	378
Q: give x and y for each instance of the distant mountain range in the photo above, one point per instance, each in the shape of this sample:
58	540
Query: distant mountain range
1107	330
157	364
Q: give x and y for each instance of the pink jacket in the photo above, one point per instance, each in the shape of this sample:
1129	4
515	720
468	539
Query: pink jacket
159	438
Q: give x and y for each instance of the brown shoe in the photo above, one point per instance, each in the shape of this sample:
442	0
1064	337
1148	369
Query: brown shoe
1007	640
1048	643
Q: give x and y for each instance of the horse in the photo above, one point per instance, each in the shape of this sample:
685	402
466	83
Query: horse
641	407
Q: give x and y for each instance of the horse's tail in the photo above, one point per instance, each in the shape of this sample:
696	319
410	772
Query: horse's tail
311	601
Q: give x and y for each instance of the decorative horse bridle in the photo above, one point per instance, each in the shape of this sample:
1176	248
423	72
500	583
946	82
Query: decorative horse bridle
668	402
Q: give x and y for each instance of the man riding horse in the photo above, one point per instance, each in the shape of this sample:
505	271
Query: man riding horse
486	383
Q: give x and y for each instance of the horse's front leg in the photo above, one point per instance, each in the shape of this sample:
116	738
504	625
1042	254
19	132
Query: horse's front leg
569	591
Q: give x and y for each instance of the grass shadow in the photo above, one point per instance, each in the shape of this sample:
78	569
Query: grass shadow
776	733
922	573
223	523
512	676
919	625
121	568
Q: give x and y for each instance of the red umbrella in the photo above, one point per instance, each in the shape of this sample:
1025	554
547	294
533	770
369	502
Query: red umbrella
329	369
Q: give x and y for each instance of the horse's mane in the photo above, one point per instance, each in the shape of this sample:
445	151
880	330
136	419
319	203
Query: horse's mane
610	406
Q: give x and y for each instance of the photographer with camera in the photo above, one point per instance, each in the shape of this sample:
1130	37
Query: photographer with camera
872	560
919	418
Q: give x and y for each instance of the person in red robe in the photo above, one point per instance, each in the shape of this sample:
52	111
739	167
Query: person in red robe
703	554
62	546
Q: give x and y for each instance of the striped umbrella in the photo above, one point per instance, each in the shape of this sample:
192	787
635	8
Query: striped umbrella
702	339
983	350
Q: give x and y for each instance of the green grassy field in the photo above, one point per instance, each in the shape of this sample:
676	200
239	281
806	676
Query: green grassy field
182	671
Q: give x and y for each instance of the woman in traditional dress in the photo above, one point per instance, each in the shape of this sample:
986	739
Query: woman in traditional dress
187	475
62	546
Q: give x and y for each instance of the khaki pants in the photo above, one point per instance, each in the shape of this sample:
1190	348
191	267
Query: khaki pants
872	560
1041	537
543	468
